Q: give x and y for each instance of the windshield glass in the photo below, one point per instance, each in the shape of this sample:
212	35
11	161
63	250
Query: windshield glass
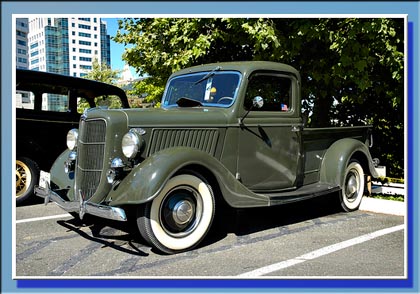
216	89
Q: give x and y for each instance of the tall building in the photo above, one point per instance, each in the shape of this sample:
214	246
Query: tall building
67	46
22	43
23	99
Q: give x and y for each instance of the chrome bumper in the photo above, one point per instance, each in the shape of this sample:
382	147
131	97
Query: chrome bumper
82	207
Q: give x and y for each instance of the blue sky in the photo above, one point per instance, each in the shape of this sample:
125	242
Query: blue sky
116	49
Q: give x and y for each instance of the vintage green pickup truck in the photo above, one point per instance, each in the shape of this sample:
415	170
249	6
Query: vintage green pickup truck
231	132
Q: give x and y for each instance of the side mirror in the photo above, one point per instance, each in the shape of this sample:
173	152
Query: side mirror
258	102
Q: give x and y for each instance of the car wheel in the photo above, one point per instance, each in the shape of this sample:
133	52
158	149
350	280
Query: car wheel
354	185
27	175
180	216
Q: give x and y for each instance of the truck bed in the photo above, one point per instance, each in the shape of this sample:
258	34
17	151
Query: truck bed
317	140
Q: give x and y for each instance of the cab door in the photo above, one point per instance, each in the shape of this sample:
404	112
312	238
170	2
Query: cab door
269	149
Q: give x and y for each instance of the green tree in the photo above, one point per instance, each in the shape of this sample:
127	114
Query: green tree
352	69
102	73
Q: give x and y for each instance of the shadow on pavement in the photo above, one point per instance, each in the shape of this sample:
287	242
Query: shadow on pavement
125	237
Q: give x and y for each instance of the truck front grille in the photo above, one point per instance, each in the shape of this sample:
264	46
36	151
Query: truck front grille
90	152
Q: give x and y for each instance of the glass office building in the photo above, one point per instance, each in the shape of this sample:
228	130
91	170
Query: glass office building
67	46
22	43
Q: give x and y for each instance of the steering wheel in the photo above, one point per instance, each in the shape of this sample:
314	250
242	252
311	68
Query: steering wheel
225	98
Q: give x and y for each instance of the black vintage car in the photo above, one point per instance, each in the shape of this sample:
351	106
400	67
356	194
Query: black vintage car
48	105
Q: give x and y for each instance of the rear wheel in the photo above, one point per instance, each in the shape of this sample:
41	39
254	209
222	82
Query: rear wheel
27	175
354	185
180	216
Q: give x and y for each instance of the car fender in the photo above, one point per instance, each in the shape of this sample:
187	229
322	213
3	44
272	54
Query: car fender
60	180
148	178
338	156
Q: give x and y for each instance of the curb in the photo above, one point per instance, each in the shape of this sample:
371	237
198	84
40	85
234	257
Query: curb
383	206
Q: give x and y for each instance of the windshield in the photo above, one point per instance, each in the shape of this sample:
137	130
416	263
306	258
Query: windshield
217	89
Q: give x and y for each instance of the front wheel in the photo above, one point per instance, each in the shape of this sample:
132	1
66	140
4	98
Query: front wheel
27	175
180	216
353	187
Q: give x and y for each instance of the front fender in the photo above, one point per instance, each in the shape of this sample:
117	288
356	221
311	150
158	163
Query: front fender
338	156
60	178
147	179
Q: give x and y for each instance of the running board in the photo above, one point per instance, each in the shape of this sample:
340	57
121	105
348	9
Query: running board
304	192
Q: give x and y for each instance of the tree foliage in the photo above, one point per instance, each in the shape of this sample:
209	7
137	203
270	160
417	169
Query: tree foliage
102	73
352	68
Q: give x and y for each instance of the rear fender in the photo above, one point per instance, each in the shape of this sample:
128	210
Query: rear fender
338	156
147	179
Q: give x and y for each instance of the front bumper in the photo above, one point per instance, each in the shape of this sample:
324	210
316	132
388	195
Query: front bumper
82	207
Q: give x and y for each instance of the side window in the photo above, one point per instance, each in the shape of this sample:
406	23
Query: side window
24	99
41	101
276	90
54	102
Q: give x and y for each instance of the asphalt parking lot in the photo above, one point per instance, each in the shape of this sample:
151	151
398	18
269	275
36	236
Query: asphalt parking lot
308	239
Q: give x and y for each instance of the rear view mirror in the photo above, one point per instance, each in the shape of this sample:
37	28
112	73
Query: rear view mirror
258	102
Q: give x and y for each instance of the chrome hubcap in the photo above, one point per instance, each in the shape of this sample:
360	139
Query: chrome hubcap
183	212
352	187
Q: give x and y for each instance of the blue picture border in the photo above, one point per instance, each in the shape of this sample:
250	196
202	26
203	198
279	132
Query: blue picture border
231	285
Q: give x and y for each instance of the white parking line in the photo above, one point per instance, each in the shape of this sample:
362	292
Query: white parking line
320	252
27	220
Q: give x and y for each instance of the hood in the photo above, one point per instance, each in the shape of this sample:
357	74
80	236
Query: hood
177	117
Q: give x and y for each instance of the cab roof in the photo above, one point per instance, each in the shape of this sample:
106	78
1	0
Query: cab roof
245	67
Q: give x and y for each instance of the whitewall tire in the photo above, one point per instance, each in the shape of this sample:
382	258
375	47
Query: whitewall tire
353	187
180	216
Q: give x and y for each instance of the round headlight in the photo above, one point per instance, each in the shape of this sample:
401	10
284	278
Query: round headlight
72	136
131	144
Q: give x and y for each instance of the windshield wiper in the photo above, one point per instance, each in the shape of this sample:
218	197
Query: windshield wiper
208	75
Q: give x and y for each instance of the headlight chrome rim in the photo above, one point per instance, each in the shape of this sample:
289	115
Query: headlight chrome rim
131	144
71	140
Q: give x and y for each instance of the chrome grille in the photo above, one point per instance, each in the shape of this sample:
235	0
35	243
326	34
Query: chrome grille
202	139
90	152
92	131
